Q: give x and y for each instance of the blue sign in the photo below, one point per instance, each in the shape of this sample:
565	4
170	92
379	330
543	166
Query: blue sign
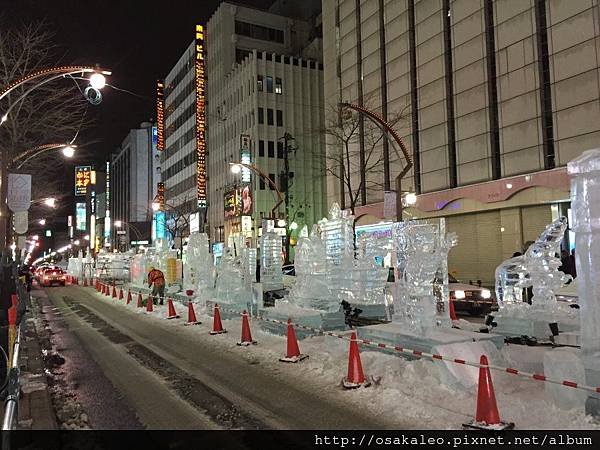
160	229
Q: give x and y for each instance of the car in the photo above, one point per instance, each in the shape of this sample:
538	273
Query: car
475	300
51	276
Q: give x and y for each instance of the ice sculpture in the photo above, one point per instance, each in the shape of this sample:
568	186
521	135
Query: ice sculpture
312	287
337	233
229	286
585	204
422	284
249	266
271	275
538	268
199	271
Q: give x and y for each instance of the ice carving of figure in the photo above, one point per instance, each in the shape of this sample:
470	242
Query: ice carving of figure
537	268
199	272
312	287
229	286
585	204
422	284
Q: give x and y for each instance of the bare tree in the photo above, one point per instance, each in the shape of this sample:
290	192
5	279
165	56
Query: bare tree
342	125
52	113
177	219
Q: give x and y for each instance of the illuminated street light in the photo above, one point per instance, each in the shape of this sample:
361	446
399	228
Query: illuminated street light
293	226
97	81
77	242
68	151
236	168
42	222
87	237
50	202
281	223
155	206
410	199
118	224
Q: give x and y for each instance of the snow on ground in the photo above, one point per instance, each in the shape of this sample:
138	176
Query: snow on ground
411	394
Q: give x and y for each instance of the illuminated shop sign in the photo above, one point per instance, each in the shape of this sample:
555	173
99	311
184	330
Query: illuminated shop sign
160	195
200	118
231	204
160	117
80	216
83	178
245	156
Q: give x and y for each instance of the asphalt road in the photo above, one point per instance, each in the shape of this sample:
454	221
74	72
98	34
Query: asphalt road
160	379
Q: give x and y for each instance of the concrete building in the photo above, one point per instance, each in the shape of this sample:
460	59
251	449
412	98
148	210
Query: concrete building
264	80
179	158
134	174
499	95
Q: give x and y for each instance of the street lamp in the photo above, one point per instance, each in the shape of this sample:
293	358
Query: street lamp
68	151
42	222
50	202
410	199
236	168
155	206
118	224
97	80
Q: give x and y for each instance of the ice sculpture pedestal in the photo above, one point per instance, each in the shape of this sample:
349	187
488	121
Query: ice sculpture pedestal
526	320
321	320
227	310
374	312
397	335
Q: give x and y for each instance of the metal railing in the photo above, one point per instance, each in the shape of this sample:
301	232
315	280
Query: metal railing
11	404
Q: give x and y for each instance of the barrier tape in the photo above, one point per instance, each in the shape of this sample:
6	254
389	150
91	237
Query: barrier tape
420	354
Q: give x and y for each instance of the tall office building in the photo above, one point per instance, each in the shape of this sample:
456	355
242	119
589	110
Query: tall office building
134	174
498	96
265	96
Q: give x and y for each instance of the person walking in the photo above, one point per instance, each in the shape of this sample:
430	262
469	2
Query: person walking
156	281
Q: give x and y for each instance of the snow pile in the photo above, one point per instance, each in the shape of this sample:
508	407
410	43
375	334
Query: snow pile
410	394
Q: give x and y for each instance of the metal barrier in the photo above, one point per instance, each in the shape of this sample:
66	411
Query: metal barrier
11	404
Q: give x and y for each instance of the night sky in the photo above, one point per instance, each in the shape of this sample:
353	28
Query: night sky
138	40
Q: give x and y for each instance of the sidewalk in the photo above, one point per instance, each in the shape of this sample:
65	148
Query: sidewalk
35	406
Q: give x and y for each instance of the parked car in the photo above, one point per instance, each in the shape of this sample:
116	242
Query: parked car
474	300
51	276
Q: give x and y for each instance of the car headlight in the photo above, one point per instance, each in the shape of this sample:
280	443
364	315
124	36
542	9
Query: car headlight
486	294
459	295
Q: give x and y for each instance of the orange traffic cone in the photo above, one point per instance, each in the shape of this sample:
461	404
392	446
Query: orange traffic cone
107	290
150	304
246	335
121	294
114	292
217	325
487	416
128	297
140	302
452	311
293	351
356	377
192	315
171	313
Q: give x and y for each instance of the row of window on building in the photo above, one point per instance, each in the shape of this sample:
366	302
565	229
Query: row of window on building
268	80
262	185
271	116
270	149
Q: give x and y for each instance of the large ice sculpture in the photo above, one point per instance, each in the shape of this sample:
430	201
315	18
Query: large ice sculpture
585	204
337	233
199	271
271	275
229	286
422	284
538	268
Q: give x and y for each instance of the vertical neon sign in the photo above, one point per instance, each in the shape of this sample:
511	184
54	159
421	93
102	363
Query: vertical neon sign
200	118
160	116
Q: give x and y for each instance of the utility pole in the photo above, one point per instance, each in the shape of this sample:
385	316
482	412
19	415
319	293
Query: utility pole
287	137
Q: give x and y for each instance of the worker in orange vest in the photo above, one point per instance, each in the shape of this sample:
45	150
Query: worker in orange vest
156	281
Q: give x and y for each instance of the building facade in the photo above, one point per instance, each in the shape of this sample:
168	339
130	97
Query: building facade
179	158
496	96
134	174
265	102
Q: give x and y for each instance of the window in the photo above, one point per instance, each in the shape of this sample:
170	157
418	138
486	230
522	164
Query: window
259	83
271	149
269	85
269	116
279	118
272	177
261	148
258	32
280	150
241	54
261	184
278	88
261	115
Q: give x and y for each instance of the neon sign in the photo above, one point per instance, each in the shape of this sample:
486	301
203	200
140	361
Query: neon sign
160	116
200	118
